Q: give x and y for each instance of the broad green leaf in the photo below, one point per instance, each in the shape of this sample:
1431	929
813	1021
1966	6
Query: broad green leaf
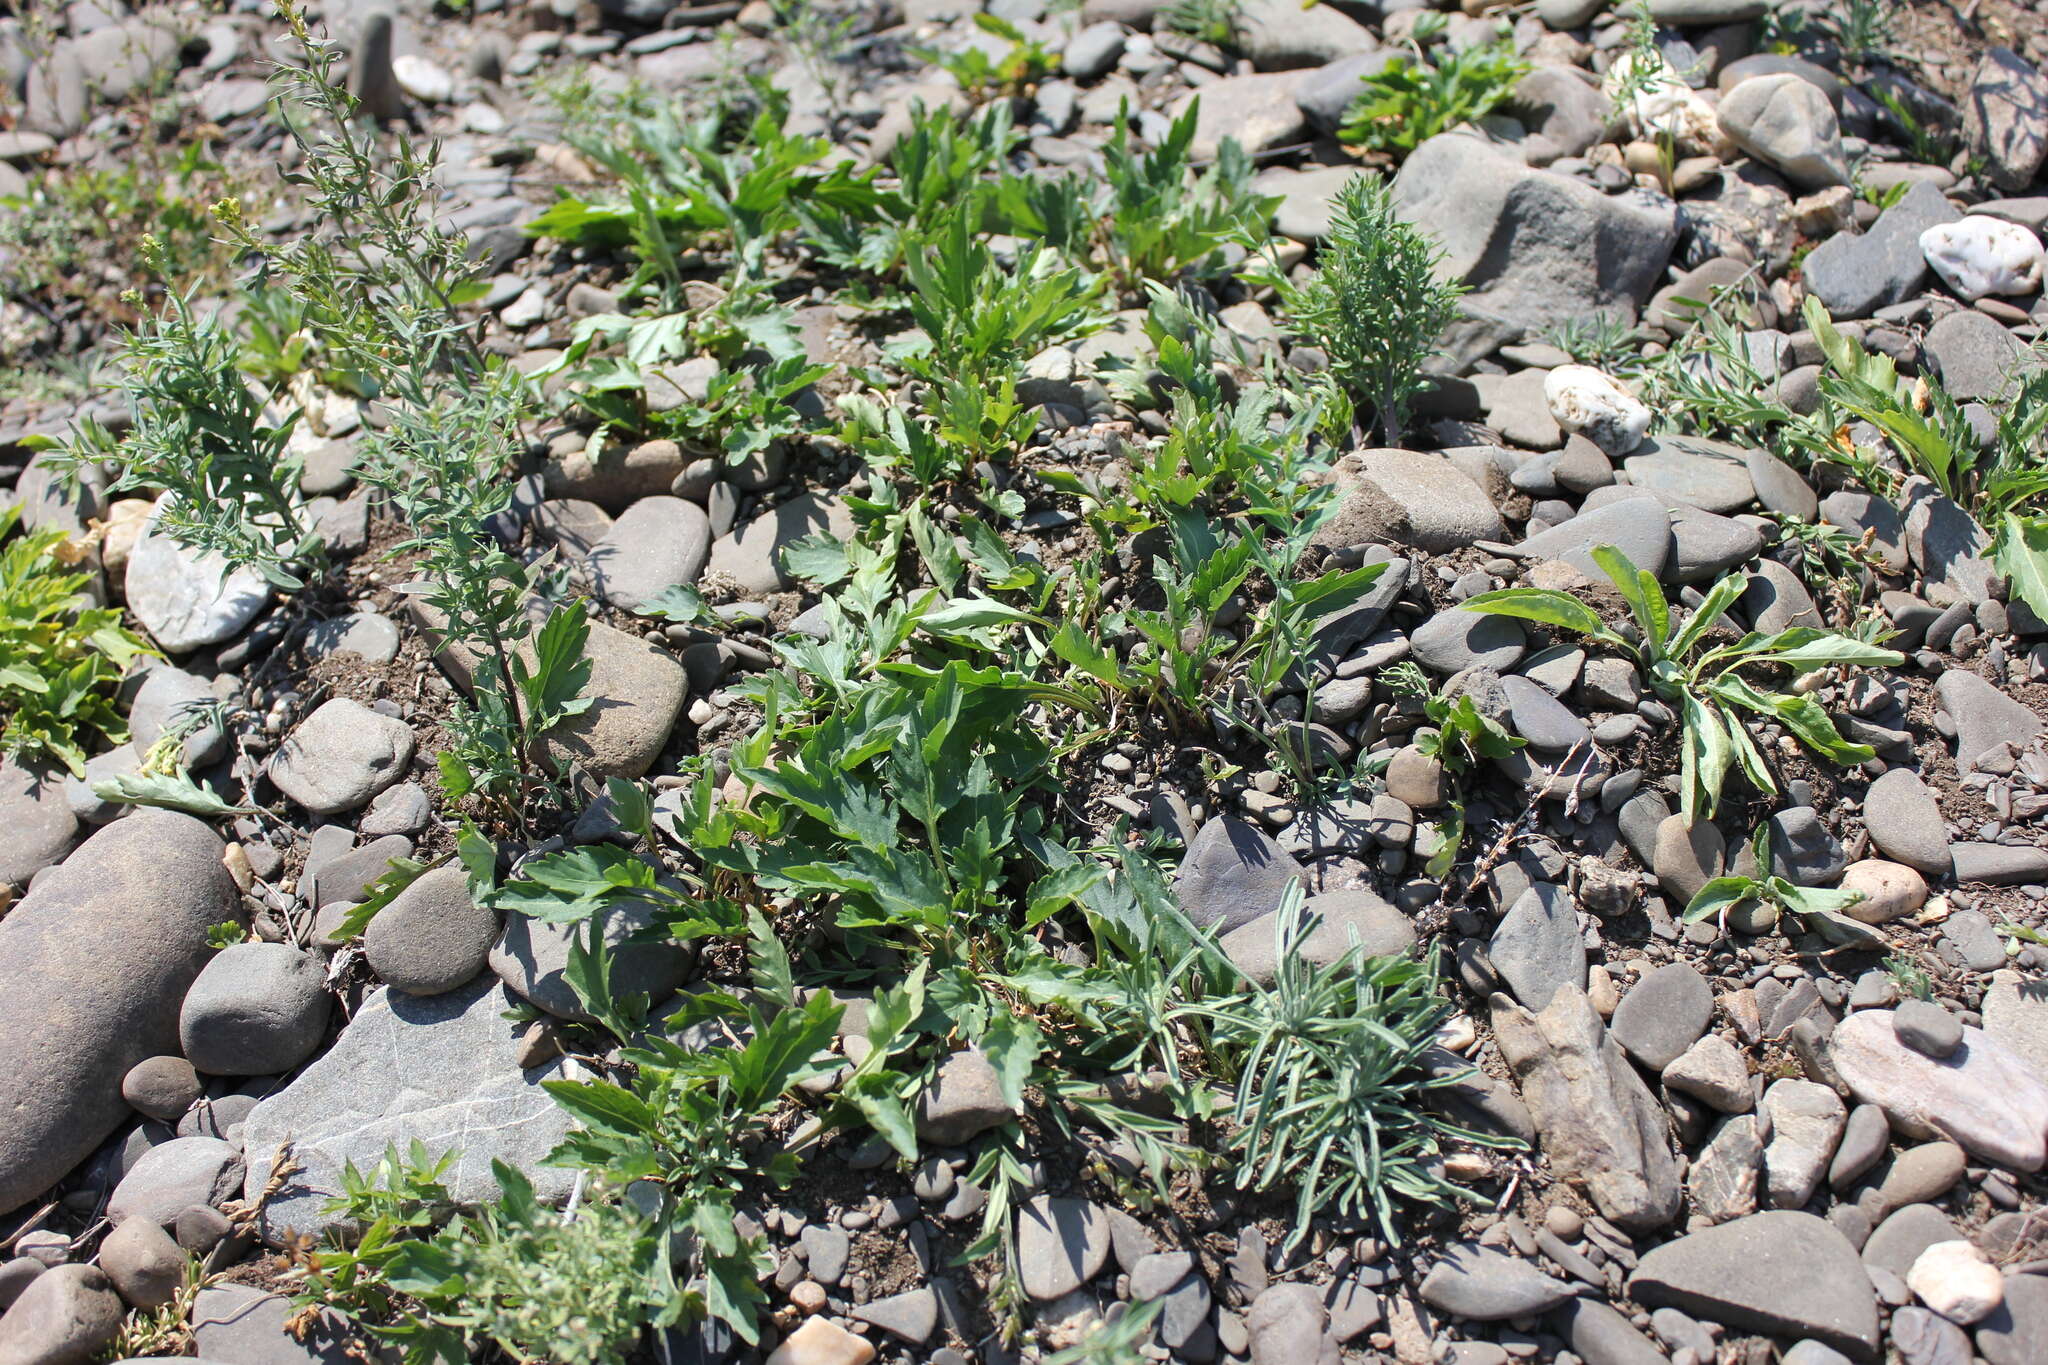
1639	589
1719	895
166	791
1012	1045
2022	556
605	1107
1713	606
1542	606
1074	645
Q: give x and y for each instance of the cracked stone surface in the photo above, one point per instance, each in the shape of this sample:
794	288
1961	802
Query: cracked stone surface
442	1069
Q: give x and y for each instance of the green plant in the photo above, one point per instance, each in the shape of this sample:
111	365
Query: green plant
1417	95
1704	681
981	319
202	437
61	657
1327	1080
1022	65
1376	303
1606	341
1926	142
1819	907
1462	738
2005	487
1863	30
227	934
1914	983
1211	21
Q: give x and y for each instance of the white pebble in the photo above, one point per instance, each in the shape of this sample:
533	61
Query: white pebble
422	79
1979	255
1584	400
1955	1280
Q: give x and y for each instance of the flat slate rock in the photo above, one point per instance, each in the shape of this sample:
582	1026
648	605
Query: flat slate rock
443	1069
1663	1014
1476	1282
1985	1097
1780	1272
1062	1244
1233	874
1537	948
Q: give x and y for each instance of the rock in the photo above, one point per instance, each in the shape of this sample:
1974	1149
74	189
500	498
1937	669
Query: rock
173	1176
1788	123
1686	857
344	876
1256	112
1921	1175
911	1316
1705	547
1903	818
1062	1244
1700	473
1984	1097
1279	35
257	1009
1890	890
1566	113
239	1324
161	1088
1998	865
1858	513
1601	1336
403	809
1307	197
531	957
39	823
1540	718
1518	237
432	937
66	1316
1776	600
442	1069
2005	117
1984	717
1711	1070
1781	489
1955	1280
1975	356
1339	919
1233	874
1600	1127
1704	13
1803	852
614	478
659	543
1093	51
1854	275
1537	949
1927	1028
1415	779
1408	497
1722	1180
1472	1281
963	1100
820	1341
372	78
171	696
1453	641
751	555
1586	402
1945	540
638	687
1663	1015
2003	1334
1287	1322
151	885
1646	540
1864	1142
144	1264
1978	255
1806	1121
1898	1241
341	756
371	637
1325	95
1781	1272
2016	1017
185	598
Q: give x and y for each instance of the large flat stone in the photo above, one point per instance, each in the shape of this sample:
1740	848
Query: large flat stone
443	1069
98	958
1985	1097
1781	1272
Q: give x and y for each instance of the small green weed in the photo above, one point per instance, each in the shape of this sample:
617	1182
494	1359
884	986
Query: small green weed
1418	95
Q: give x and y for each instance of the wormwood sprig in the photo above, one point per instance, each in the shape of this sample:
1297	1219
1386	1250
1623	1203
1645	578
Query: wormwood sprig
204	439
1419	94
1375	302
1704	681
